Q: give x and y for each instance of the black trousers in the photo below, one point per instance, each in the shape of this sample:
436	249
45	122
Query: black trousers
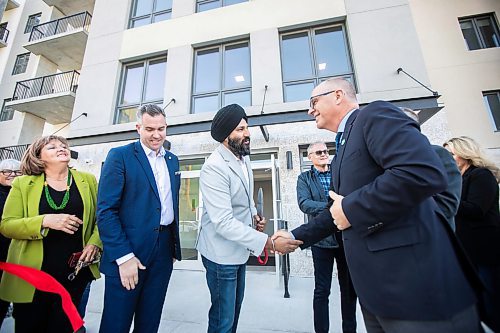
45	314
466	321
323	259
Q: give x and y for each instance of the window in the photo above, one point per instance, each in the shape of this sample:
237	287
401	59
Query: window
21	63
142	82
492	102
480	32
32	21
221	77
150	11
7	112
309	57
203	5
4	33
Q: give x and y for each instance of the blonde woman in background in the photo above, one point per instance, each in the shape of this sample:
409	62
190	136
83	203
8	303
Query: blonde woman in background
478	217
50	215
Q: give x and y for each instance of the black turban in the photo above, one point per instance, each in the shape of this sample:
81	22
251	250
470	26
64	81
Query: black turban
226	120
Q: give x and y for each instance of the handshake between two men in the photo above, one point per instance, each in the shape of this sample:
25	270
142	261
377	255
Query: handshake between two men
283	241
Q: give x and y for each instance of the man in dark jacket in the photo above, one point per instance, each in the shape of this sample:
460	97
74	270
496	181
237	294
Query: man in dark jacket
449	199
312	195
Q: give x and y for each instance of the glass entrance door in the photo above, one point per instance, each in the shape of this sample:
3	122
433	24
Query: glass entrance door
190	209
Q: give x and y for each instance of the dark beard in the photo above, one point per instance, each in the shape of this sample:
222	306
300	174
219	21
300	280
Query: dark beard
239	148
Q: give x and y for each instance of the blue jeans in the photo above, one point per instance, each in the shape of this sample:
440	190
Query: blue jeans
323	259
227	287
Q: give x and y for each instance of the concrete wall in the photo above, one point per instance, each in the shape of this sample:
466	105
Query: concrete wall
458	74
383	38
101	68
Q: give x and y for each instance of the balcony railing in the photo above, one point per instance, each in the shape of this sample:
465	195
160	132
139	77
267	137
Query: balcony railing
4	34
65	24
45	85
15	152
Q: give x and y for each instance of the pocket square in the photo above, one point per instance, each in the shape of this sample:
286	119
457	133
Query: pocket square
177	173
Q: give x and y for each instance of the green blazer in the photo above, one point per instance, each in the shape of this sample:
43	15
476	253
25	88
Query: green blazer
22	222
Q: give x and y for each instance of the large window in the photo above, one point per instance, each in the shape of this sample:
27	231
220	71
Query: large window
480	32
203	5
311	56
149	11
221	77
21	63
492	102
7	112
32	21
142	82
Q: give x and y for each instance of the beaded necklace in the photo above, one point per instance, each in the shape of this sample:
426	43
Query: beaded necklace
65	199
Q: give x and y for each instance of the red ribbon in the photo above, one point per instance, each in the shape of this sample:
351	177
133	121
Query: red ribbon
266	258
45	282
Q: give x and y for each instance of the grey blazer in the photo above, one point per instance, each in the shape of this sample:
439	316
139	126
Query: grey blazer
227	236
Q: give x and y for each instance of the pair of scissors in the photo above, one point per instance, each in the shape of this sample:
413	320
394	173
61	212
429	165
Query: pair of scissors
259	205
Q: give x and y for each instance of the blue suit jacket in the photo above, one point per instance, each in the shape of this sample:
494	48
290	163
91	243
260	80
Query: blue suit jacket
128	206
401	260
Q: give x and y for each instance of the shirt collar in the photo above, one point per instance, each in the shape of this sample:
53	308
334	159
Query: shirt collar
320	172
148	151
344	121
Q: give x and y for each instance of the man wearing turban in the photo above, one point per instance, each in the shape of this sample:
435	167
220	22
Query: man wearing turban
226	237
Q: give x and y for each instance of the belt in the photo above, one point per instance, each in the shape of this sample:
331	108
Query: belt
162	228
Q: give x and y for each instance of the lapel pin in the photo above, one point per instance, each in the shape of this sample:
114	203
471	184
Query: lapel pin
170	157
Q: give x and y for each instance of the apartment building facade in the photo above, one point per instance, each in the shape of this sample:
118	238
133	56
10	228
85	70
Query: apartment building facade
194	56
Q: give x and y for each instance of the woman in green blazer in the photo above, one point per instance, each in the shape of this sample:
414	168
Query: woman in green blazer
49	214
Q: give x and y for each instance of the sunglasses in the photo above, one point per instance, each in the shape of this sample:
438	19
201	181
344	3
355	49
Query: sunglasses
321	152
10	172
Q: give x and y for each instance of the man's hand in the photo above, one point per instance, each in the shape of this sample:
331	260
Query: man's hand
259	222
284	243
337	212
129	274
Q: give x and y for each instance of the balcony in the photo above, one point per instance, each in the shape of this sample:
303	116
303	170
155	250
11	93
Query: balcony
15	152
49	97
11	4
62	41
4	35
72	6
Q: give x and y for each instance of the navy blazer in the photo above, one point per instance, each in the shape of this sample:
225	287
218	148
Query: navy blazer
401	260
128	206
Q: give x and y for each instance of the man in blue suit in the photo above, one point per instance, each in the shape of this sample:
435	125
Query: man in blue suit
137	217
402	262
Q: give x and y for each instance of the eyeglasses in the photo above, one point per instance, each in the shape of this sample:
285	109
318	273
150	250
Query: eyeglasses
10	172
314	99
321	152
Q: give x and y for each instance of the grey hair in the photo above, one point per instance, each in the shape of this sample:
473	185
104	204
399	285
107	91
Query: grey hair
345	85
151	109
309	149
10	164
410	113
